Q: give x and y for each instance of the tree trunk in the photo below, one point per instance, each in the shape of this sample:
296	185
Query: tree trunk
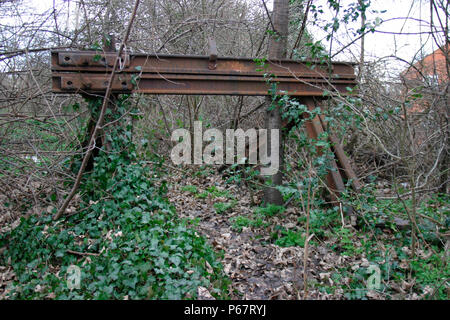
361	58
277	51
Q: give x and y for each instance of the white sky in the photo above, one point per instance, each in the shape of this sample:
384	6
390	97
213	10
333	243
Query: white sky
377	45
406	45
409	45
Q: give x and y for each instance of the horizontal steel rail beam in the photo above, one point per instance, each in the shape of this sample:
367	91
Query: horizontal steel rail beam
87	71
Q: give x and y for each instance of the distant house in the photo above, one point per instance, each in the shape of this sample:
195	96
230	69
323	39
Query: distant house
427	77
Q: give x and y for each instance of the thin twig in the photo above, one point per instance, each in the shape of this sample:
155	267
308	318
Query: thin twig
268	15
100	118
302	28
82	253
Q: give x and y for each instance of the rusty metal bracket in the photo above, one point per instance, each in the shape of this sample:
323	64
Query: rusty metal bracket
87	59
314	129
212	54
92	83
342	159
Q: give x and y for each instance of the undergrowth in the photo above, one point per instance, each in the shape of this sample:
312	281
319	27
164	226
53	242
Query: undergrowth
125	236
